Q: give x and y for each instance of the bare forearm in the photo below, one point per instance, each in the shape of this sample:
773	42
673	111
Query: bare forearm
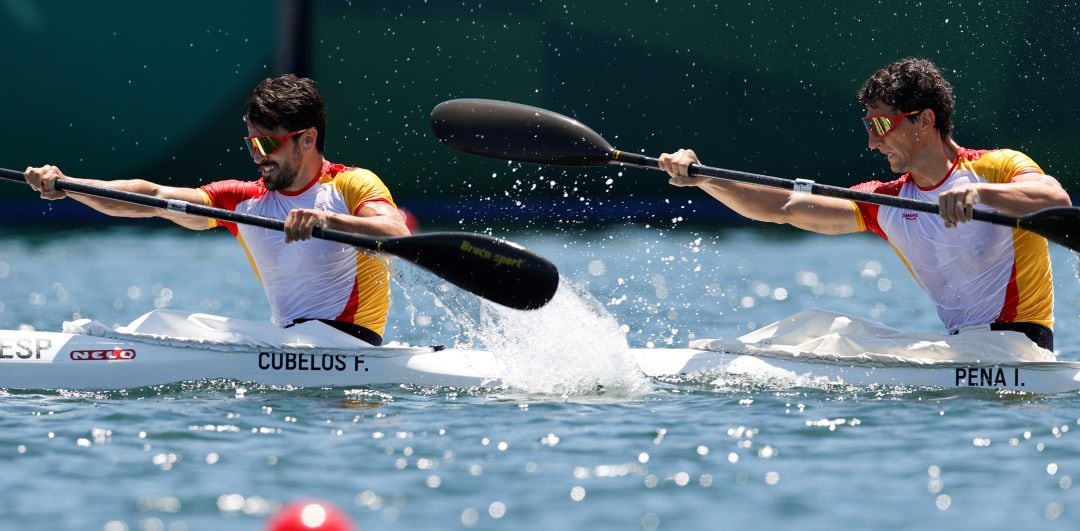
128	210
823	215
1024	197
388	225
118	208
44	180
758	203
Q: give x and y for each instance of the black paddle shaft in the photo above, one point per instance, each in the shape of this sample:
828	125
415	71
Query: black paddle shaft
185	207
513	131
1060	225
498	270
811	187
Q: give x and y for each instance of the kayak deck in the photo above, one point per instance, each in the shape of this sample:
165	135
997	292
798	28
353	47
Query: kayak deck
49	360
168	346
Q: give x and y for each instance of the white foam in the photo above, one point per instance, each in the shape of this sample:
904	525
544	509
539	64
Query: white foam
570	347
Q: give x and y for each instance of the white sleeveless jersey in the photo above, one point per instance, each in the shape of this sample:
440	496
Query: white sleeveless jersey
976	273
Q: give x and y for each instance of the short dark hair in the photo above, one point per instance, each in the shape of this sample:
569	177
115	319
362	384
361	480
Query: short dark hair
909	85
290	102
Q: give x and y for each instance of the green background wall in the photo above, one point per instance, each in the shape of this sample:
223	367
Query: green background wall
126	89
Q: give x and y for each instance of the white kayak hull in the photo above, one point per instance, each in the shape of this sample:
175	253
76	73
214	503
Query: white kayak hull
43	360
1029	377
50	360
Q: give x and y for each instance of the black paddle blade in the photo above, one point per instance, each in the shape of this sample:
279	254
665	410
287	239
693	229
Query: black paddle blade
500	271
1060	225
512	131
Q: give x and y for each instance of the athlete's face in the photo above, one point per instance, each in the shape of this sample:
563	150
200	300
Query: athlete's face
280	168
899	144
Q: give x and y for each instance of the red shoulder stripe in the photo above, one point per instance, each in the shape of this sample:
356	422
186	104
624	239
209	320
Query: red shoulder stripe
869	211
228	194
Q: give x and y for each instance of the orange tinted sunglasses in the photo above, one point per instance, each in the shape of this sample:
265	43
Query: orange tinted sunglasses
265	145
882	124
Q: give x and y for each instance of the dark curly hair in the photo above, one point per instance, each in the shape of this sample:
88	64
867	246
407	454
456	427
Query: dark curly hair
290	102
909	85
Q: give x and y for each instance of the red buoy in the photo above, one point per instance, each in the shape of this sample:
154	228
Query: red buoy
310	515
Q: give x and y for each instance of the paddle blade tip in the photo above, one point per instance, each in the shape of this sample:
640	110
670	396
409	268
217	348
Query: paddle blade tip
498	270
544	282
513	131
523	280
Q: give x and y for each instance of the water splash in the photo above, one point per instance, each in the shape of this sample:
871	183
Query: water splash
570	347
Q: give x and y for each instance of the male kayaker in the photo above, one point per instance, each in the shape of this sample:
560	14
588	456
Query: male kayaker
304	278
977	274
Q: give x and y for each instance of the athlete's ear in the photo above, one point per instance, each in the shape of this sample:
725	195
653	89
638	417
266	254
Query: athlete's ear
926	119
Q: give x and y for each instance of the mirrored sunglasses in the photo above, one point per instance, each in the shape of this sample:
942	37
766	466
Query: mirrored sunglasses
882	124
265	145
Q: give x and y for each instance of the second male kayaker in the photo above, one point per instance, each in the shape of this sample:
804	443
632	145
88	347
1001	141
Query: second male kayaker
977	274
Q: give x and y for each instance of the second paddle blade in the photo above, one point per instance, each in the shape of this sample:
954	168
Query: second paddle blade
497	270
512	131
1060	225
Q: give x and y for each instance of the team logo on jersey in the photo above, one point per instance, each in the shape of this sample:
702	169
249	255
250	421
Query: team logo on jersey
910	216
322	199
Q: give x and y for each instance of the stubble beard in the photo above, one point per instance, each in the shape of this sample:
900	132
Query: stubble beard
286	173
